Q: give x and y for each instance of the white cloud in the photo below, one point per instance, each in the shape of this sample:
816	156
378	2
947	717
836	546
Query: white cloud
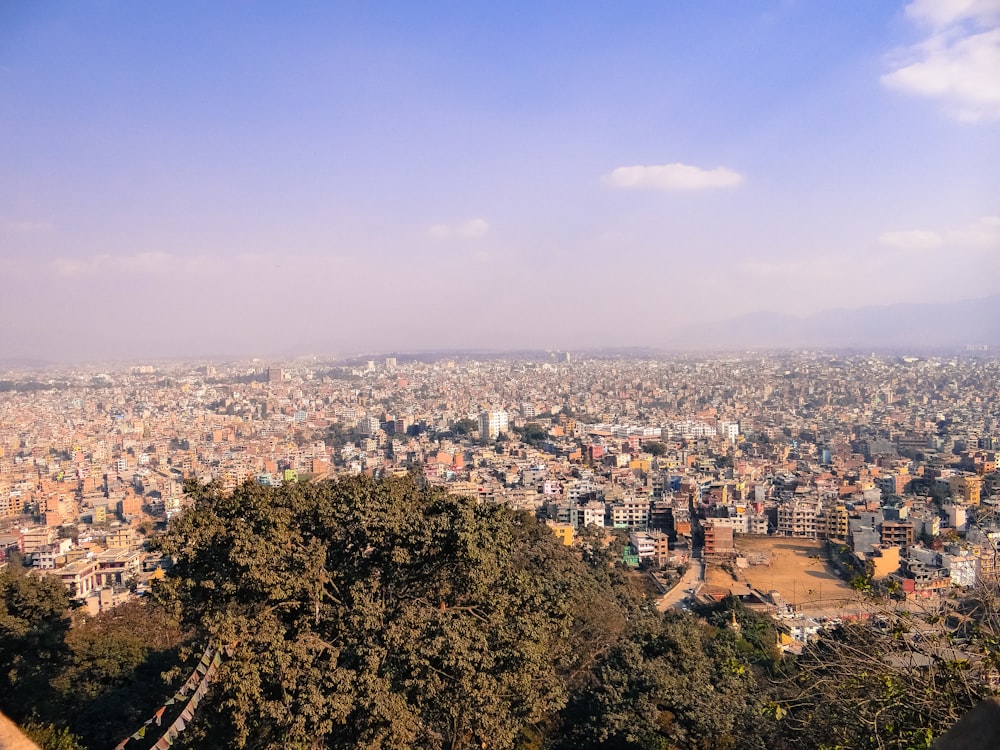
912	239
146	264
674	176
807	271
462	230
231	268
982	234
959	62
946	12
25	227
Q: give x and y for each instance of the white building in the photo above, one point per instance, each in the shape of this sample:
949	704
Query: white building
368	425
492	423
588	514
797	518
729	430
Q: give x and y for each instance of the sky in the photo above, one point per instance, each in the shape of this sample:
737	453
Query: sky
185	179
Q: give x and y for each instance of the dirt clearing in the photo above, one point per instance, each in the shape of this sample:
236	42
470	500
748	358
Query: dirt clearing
796	568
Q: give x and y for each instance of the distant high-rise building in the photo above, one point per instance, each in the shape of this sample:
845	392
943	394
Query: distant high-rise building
275	375
368	425
492	423
729	430
390	363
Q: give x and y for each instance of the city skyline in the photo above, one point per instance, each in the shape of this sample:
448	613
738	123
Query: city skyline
248	179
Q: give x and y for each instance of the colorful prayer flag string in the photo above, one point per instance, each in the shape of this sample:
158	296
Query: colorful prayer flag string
199	680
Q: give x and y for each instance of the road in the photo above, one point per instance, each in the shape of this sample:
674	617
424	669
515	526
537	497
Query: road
694	576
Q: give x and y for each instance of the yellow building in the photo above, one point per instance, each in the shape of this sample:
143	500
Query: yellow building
884	562
564	531
834	522
967	487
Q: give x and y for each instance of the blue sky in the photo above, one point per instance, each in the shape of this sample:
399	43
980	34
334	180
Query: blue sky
255	178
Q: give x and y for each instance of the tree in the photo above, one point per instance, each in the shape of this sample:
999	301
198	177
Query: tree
111	680
672	683
892	689
373	614
534	433
464	426
51	737
34	620
655	448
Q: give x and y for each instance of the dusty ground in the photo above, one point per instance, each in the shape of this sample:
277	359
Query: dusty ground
797	569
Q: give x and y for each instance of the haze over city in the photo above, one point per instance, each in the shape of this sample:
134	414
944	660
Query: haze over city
185	179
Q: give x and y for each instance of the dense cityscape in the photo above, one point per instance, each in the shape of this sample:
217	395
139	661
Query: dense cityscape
893	456
522	376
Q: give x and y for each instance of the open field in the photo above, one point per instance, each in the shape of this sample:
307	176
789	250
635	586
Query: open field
798	570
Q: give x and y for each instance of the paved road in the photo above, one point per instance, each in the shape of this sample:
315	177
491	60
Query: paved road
694	576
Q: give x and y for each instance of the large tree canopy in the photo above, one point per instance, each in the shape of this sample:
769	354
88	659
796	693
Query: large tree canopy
33	625
673	683
376	614
364	614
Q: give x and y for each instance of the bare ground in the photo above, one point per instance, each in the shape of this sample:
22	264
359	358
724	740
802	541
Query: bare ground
798	570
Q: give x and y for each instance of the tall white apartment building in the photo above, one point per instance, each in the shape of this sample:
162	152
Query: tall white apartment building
492	423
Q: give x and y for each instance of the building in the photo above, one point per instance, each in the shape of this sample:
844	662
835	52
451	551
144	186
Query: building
718	539
643	545
897	534
563	532
588	514
116	567
962	565
797	518
79	577
120	537
883	562
630	513
492	423
967	487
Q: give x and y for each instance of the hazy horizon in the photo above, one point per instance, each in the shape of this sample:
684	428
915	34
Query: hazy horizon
181	179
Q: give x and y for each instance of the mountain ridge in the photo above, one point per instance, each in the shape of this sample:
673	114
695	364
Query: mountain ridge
921	325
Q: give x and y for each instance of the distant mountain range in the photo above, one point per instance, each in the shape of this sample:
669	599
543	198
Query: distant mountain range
944	325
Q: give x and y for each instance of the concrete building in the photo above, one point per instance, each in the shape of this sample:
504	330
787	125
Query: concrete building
718	539
630	513
797	518
492	423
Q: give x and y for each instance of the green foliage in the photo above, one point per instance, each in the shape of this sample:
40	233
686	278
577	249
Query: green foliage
757	633
674	682
464	426
33	624
376	614
387	614
87	684
110	680
862	583
51	737
534	433
861	689
655	448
